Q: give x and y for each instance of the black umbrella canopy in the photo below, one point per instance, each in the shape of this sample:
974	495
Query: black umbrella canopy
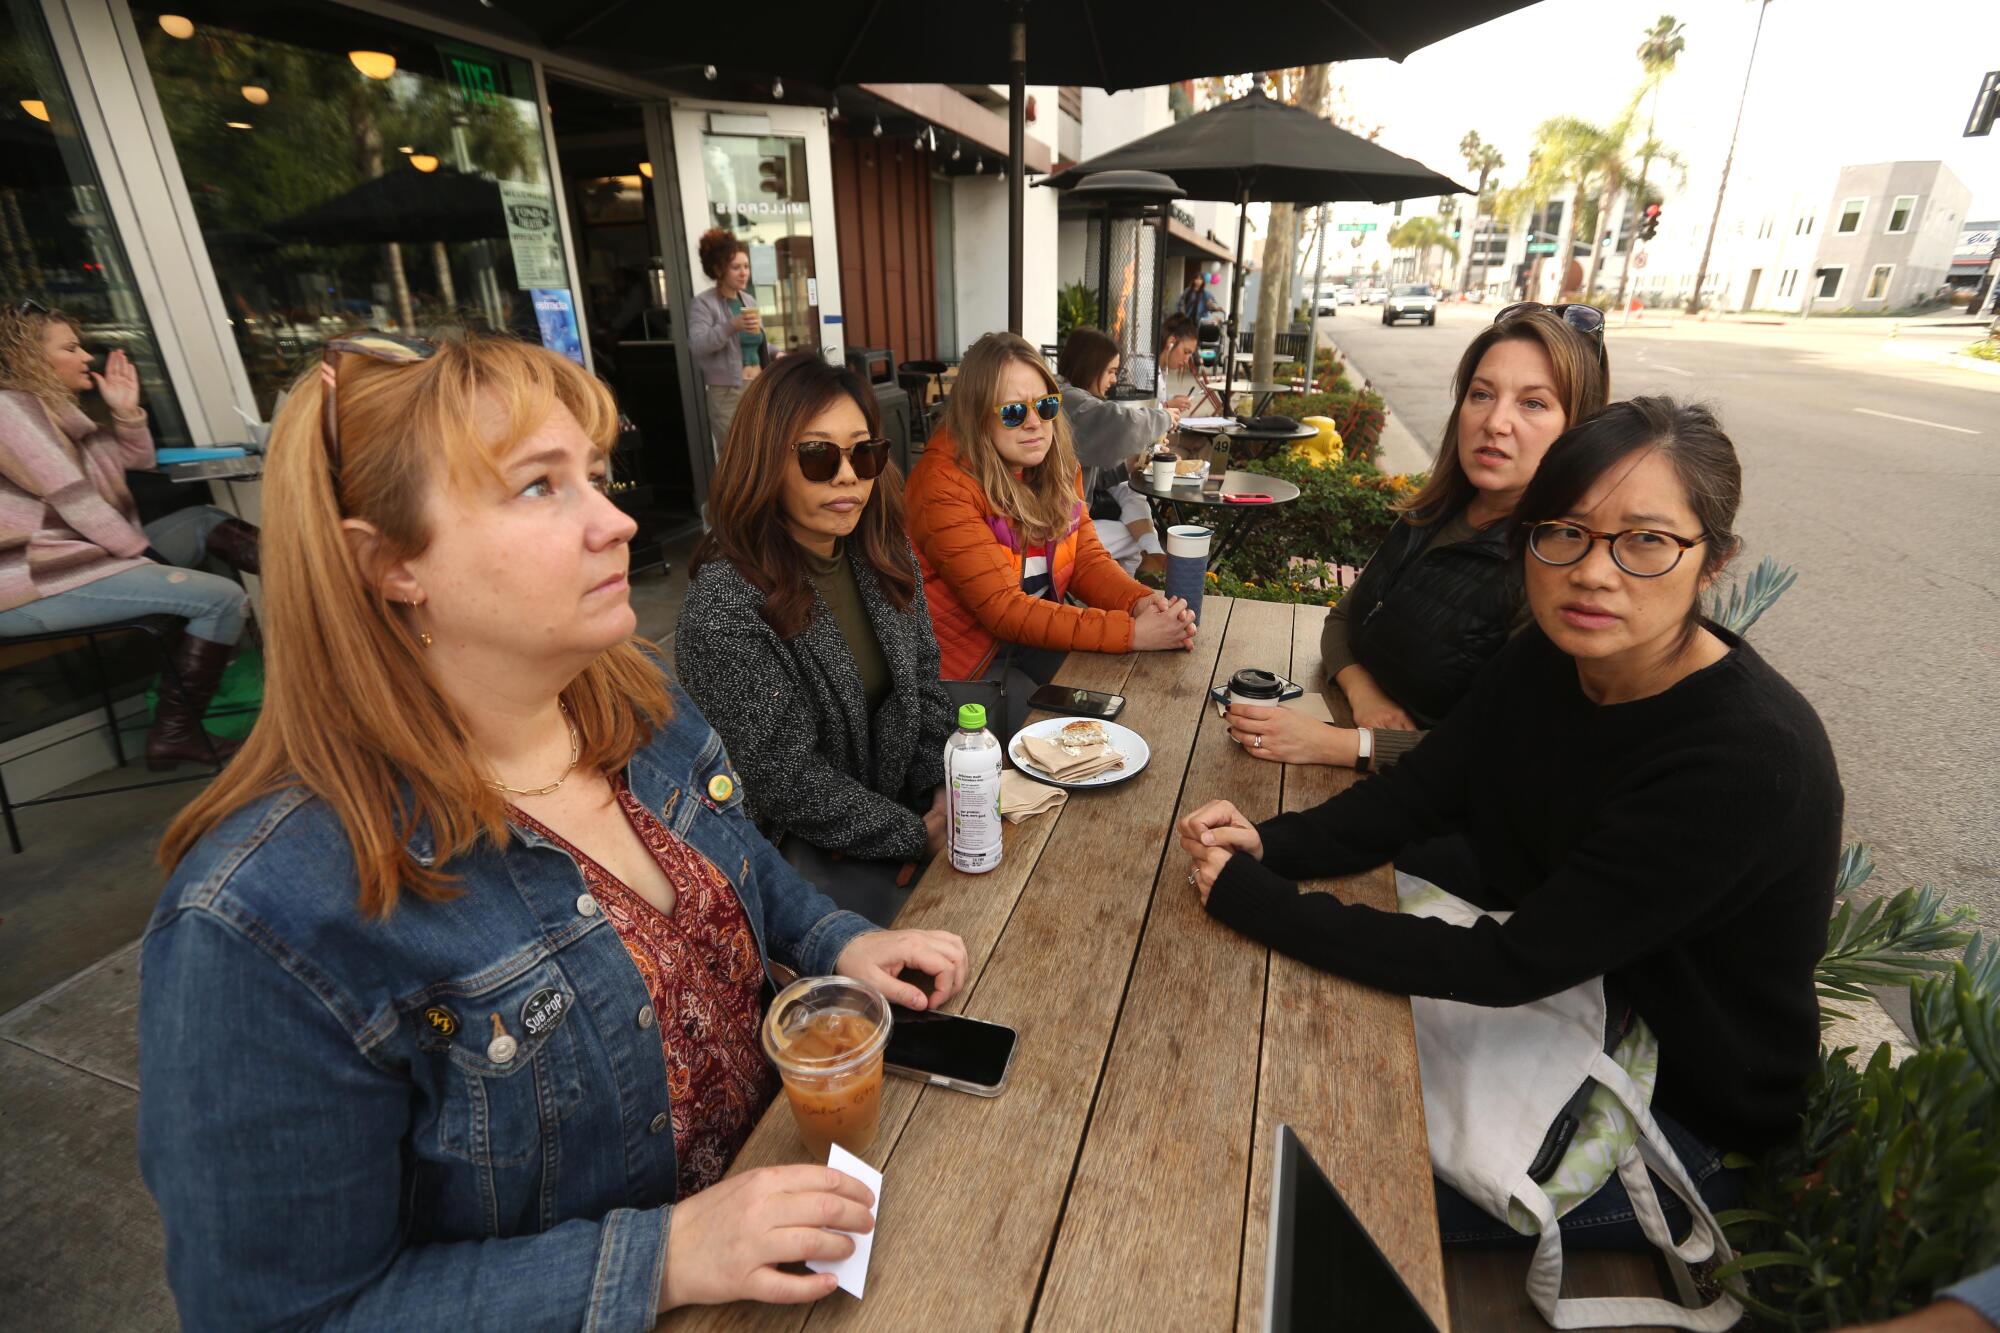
1109	44
404	205
1259	149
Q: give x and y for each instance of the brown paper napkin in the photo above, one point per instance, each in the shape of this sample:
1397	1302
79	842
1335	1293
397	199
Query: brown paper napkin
1021	797
1056	762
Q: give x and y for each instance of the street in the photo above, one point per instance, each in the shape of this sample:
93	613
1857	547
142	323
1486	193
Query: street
1878	477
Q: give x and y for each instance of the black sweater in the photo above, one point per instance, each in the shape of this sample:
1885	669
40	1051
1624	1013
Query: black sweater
1684	846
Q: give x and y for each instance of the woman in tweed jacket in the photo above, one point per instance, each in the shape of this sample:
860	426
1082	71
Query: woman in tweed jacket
805	638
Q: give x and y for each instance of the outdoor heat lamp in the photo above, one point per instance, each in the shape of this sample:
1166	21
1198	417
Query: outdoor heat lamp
1124	256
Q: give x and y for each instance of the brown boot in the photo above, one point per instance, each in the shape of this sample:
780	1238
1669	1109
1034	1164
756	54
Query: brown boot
235	544
177	734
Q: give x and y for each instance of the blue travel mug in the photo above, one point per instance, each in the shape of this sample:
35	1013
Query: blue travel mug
1187	564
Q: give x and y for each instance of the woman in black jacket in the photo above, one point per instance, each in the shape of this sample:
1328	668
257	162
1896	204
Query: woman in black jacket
1440	598
806	640
1646	796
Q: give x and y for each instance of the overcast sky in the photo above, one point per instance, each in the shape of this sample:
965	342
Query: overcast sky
1837	82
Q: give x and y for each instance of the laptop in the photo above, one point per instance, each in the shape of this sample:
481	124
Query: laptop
1324	1271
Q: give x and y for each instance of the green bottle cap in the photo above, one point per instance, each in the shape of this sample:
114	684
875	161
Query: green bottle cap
972	717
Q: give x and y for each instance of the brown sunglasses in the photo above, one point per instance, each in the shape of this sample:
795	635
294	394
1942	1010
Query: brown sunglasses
369	343
819	460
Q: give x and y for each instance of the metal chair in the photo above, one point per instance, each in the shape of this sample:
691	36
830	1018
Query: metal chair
160	631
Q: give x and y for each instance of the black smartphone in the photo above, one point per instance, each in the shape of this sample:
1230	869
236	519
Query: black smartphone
1211	486
1076	703
950	1050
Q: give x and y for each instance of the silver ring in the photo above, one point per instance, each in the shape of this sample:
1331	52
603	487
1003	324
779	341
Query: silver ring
1256	742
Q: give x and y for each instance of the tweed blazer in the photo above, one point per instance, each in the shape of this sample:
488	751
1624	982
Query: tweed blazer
814	762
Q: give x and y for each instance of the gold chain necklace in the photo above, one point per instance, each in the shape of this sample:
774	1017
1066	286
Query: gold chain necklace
575	749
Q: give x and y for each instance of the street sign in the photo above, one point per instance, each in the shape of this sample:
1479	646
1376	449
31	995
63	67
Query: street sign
1354	226
1541	247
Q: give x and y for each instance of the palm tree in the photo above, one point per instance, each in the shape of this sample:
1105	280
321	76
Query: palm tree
1568	156
1484	159
1658	51
1715	219
1423	234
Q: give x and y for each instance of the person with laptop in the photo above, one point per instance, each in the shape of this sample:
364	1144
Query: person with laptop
1653	803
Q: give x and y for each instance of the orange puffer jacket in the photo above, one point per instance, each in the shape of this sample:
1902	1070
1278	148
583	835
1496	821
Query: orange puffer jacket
972	561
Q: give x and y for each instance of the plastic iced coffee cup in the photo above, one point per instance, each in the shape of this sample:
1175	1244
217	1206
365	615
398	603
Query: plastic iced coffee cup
826	1036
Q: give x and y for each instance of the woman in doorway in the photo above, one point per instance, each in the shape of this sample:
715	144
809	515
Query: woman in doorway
807	642
1108	436
996	514
1440	596
464	958
726	329
72	551
1652	802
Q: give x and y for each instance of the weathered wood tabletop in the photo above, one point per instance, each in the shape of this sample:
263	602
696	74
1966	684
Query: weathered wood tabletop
1122	1179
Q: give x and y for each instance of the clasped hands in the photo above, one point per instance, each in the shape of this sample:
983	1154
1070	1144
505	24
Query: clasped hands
1210	836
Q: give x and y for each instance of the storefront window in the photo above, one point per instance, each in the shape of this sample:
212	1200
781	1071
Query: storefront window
348	173
58	246
757	189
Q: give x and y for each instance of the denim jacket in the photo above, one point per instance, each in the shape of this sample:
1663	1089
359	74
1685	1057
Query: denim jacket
334	1135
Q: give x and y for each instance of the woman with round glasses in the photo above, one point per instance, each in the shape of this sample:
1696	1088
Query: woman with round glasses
1440	597
996	513
1651	801
806	638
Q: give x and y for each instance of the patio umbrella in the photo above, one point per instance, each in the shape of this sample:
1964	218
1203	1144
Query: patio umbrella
1257	149
1109	44
403	205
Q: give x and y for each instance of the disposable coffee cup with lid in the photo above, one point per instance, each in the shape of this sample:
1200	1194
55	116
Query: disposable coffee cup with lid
1259	689
1163	470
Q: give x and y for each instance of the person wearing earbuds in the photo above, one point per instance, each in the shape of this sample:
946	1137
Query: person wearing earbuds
996	514
807	642
1645	799
1440	597
449	1011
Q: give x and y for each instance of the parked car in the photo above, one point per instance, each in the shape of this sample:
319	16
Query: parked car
1411	300
1373	295
1326	305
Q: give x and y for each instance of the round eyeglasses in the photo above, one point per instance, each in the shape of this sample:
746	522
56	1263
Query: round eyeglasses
1015	415
1644	553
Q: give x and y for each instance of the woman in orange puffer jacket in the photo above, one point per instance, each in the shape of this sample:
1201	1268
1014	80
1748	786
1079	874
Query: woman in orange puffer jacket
995	512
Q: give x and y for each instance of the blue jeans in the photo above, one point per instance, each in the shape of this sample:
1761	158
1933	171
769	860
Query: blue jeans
214	607
1605	1221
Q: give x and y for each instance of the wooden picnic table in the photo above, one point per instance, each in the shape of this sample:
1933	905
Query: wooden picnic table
1121	1180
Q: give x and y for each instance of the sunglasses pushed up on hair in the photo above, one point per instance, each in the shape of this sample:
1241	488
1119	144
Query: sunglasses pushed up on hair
1585	319
819	460
1015	415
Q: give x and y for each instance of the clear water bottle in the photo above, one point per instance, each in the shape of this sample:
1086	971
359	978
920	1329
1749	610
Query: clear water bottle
972	784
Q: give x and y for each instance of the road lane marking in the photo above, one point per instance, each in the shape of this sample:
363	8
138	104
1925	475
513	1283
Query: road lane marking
1675	370
1915	421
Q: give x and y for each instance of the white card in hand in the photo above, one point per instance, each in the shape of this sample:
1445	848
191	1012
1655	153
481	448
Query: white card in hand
852	1272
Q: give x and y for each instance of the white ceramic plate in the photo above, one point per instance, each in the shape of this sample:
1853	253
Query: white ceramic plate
1123	739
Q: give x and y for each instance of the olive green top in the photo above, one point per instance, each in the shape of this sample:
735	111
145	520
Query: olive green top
834	578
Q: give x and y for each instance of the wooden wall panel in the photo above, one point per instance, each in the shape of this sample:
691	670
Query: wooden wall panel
882	208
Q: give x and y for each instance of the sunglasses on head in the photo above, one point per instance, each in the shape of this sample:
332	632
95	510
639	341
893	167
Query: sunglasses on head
1015	415
819	460
1586	319
377	347
31	307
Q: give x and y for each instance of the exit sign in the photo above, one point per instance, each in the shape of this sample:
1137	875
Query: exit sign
476	84
1355	226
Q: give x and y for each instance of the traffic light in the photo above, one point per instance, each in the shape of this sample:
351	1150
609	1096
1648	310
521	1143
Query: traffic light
771	176
1651	226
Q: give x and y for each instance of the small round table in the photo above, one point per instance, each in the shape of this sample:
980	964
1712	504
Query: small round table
1191	502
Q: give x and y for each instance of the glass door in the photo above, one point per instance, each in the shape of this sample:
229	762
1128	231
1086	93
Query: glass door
764	174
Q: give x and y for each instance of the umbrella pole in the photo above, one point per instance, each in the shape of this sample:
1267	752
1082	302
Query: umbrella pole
1235	301
1017	145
